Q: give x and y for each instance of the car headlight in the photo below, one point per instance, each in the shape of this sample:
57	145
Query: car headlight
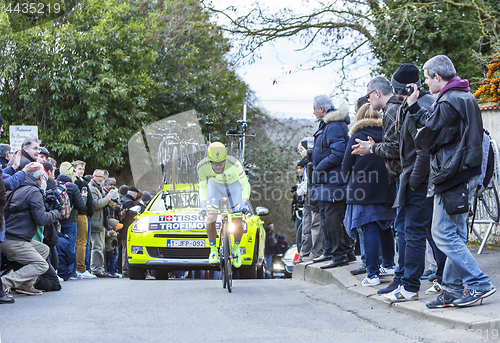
278	266
231	227
141	225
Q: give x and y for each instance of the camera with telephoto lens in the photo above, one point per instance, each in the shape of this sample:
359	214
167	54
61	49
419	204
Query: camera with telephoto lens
52	200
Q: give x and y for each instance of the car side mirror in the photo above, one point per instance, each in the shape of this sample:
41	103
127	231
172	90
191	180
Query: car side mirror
261	211
135	210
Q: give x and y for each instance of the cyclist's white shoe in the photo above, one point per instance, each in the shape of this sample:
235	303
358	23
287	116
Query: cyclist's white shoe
237	256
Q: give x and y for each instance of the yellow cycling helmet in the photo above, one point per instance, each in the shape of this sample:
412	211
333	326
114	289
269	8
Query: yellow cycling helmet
217	152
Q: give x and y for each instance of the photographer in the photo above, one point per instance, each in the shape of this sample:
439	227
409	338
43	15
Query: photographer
24	211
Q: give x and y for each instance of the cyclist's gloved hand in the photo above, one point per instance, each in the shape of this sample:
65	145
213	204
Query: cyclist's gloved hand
294	188
203	211
245	209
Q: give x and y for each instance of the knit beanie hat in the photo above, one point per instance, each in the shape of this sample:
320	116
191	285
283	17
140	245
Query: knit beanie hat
303	162
66	168
407	73
146	197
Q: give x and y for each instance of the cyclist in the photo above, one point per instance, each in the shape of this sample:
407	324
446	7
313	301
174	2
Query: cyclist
222	175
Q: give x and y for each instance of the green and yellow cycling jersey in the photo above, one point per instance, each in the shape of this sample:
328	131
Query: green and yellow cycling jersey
233	171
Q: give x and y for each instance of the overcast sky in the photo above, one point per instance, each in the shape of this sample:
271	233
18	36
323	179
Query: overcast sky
284	94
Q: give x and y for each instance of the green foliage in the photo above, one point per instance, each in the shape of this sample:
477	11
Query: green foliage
410	32
92	79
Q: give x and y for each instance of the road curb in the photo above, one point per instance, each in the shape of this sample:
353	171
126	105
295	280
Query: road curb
341	276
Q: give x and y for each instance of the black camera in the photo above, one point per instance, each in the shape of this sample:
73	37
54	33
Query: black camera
52	200
403	91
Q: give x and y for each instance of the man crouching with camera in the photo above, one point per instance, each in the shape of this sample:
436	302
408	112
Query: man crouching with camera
24	211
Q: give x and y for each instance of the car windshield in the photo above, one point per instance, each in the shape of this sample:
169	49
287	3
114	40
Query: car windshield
164	157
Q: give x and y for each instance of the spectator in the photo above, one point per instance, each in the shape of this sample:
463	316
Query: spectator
298	205
98	232
83	223
329	183
111	248
51	186
312	236
108	185
66	177
369	196
282	245
362	267
127	202
270	249
412	192
381	97
146	198
53	162
452	132
5	155
29	152
123	191
66	257
24	211
43	155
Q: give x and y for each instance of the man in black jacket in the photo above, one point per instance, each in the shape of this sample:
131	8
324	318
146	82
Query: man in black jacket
412	194
127	203
452	134
66	177
24	211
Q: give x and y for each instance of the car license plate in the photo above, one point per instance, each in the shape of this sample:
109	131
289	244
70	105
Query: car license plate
279	274
182	243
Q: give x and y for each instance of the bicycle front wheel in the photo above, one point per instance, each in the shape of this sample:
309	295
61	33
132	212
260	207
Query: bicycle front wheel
227	262
221	258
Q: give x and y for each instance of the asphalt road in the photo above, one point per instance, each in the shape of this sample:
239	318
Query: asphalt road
121	310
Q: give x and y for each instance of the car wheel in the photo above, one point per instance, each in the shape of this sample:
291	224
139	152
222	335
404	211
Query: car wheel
161	274
136	273
260	272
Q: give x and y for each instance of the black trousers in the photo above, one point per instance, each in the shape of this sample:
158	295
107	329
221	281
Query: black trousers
332	223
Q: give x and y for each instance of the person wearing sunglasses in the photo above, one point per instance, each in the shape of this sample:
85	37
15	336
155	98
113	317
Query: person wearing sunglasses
222	175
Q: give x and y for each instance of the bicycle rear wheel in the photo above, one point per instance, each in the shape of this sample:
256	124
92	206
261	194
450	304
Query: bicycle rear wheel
174	167
471	217
227	262
162	160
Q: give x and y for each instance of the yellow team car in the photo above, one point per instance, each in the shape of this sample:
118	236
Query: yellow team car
170	235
